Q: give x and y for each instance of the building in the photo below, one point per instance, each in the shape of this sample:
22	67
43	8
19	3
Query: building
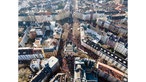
122	29
124	2
100	22
35	65
62	15
114	28
20	31
44	35
106	24
27	54
25	37
112	40
83	70
68	48
41	76
87	31
116	19
49	66
104	37
93	35
121	47
32	33
109	73
78	15
53	63
52	42
112	58
59	77
89	15
109	56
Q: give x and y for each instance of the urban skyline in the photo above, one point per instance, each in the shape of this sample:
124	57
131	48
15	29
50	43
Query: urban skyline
73	41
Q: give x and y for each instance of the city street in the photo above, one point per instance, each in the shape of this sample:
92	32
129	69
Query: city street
59	34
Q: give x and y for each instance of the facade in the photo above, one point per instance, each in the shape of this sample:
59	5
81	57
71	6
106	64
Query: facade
83	70
53	63
112	40
88	15
49	66
78	15
59	77
51	45
93	35
106	24
26	54
100	22
104	38
102	35
35	65
25	37
63	14
105	54
121	48
110	73
117	61
44	18
68	48
46	36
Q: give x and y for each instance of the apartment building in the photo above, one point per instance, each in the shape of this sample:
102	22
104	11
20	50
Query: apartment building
122	47
112	58
49	67
26	54
106	24
109	73
112	40
114	28
25	37
68	48
83	70
35	65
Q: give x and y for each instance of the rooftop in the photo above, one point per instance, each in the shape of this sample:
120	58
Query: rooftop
107	52
27	50
90	33
51	61
83	71
110	70
50	43
20	30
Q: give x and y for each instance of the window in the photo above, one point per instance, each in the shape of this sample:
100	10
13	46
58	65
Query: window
24	52
116	64
116	57
124	62
112	61
120	60
112	55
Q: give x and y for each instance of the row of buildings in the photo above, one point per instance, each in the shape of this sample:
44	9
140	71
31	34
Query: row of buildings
42	11
109	73
111	57
120	28
83	70
44	18
49	66
115	42
87	70
46	38
118	34
89	10
30	53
